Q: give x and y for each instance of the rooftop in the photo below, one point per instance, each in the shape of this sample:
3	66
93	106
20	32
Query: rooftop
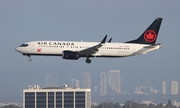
64	87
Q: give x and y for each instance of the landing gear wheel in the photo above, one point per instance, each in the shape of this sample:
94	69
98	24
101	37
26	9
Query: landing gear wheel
88	60
29	60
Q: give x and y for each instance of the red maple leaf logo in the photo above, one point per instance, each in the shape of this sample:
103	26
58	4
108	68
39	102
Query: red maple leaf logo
150	36
39	50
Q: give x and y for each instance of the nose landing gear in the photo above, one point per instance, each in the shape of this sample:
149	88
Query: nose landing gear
29	58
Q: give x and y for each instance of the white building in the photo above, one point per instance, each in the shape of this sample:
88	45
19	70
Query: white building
174	87
75	83
103	89
49	81
56	97
164	87
86	80
115	81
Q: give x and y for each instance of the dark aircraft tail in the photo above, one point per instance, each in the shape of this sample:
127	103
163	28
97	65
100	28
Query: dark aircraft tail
150	34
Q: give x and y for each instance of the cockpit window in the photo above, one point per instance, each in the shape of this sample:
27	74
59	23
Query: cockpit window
24	45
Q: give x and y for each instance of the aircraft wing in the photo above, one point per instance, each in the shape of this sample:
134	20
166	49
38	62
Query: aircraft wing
93	49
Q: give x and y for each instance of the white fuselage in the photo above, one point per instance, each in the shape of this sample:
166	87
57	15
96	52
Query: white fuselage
55	48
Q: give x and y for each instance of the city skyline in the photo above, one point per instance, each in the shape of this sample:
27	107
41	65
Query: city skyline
142	90
102	89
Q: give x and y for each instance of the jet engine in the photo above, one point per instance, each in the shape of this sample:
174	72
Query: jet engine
70	55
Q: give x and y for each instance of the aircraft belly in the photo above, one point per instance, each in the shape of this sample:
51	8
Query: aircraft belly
115	53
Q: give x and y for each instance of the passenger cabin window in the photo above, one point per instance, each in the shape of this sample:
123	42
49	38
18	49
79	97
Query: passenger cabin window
24	45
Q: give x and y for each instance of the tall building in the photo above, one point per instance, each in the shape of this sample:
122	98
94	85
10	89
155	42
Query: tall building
75	83
56	97
174	87
49	80
86	80
163	87
103	85
115	81
95	89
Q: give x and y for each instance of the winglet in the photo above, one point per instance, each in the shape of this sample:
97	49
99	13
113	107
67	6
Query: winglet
110	40
104	40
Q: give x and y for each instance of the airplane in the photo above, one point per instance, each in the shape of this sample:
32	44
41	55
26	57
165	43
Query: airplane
73	50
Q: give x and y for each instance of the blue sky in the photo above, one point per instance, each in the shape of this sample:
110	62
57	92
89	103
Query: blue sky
75	20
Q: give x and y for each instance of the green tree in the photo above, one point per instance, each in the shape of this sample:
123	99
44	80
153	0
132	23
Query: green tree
117	105
151	105
127	104
103	105
143	106
170	103
110	105
11	106
94	106
135	105
159	105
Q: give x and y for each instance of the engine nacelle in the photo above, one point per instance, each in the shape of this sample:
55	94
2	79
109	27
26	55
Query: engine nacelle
70	55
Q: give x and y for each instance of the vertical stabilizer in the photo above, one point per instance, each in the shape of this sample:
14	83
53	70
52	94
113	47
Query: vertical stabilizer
150	34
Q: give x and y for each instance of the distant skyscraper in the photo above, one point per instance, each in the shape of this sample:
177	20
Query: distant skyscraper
103	83
152	90
49	81
174	87
108	78
95	89
163	87
75	83
115	80
86	80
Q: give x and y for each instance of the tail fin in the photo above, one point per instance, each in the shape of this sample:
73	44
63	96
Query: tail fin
150	34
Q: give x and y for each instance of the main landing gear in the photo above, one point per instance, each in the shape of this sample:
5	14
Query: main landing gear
88	60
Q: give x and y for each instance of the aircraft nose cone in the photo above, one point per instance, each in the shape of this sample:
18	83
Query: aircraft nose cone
18	49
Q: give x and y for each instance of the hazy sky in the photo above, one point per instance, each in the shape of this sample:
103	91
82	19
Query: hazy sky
123	20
